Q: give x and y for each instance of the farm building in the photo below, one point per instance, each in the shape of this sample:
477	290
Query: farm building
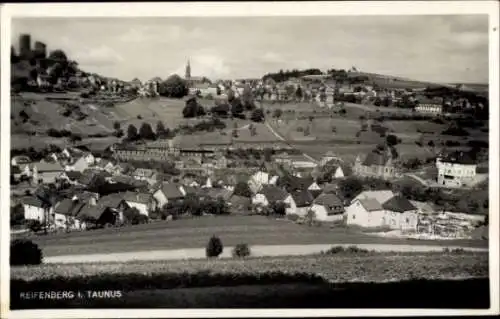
298	202
328	208
373	209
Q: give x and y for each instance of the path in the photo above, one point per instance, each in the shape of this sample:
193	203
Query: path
257	251
419	179
284	140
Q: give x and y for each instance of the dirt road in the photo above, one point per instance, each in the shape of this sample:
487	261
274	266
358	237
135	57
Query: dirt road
257	251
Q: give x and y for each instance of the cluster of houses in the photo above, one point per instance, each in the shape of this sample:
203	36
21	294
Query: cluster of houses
148	191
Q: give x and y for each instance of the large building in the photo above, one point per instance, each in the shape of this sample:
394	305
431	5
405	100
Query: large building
193	81
456	170
381	164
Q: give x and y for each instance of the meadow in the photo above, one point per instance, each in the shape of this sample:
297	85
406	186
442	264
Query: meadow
195	232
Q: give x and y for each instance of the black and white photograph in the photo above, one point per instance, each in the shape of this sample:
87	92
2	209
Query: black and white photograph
181	156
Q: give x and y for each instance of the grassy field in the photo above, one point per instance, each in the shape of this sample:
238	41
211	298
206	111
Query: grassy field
194	233
311	281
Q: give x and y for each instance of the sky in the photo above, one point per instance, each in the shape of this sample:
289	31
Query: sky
445	48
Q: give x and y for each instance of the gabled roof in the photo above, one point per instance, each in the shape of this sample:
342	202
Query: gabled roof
74	175
398	204
302	198
43	166
316	192
273	193
92	212
330	188
328	200
215	193
171	191
111	201
144	172
142	198
374	158
237	200
380	196
69	207
32	201
370	204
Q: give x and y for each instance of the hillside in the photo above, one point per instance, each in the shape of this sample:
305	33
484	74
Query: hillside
36	113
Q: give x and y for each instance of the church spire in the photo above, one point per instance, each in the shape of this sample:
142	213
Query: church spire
188	70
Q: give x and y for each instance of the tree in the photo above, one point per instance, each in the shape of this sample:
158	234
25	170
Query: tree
241	251
277	113
146	132
236	107
350	187
298	93
214	247
247	97
132	134
174	86
17	215
278	209
242	189
25	252
193	109
58	55
392	140
257	115
116	125
268	154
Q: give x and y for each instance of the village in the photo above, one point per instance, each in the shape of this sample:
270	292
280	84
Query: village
235	171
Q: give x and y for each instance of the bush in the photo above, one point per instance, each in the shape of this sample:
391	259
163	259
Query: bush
349	250
241	251
25	252
214	247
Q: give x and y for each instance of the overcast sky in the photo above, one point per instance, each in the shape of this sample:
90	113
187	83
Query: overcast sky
433	48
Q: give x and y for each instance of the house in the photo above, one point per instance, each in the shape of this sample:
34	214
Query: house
428	106
66	212
144	202
378	163
257	181
456	169
116	204
71	177
105	165
97	215
20	160
145	174
328	208
168	193
239	204
374	209
269	195
216	193
46	172
298	202
337	169
36	209
79	165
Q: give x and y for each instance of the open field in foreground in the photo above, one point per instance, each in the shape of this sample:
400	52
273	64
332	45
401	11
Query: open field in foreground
195	232
312	281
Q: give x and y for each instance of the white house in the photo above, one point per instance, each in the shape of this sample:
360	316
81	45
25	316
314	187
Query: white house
34	209
79	165
373	209
269	195
145	203
167	193
298	203
65	214
456	170
328	208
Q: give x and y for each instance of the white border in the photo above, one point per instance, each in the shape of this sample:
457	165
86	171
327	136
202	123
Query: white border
247	9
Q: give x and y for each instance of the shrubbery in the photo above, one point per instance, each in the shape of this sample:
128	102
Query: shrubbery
214	247
343	250
241	251
25	252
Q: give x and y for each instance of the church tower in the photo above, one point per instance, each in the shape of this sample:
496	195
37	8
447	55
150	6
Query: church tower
188	71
